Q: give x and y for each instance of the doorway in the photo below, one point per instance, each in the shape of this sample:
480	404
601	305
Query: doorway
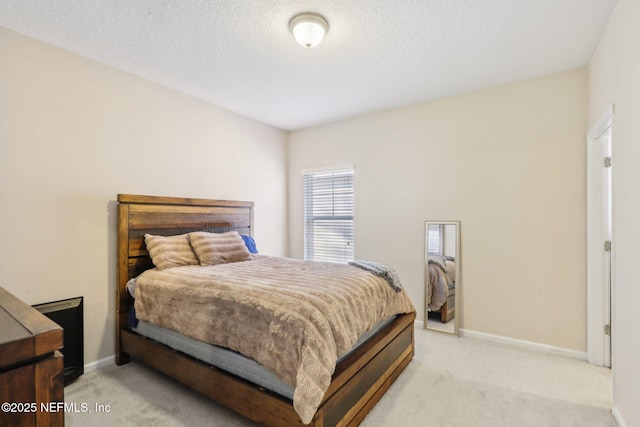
599	240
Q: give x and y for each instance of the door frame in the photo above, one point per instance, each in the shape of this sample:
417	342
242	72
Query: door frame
599	302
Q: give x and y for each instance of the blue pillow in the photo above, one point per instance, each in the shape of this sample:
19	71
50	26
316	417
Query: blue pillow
250	243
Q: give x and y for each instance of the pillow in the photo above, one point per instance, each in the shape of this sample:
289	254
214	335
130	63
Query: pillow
170	251
213	248
250	243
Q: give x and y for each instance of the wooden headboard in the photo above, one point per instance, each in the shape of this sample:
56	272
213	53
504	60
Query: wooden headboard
166	216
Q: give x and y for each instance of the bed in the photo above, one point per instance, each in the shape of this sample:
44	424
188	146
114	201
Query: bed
442	286
358	381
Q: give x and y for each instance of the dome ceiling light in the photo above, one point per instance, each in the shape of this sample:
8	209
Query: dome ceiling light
308	29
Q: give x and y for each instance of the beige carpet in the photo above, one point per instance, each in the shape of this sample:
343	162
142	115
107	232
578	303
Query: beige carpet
451	382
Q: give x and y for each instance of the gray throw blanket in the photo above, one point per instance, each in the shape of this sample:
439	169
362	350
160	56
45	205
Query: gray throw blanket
439	261
380	270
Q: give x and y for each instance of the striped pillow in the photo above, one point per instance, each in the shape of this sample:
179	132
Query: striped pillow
213	248
170	251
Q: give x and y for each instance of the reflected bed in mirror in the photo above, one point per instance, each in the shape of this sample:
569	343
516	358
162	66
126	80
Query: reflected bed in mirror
442	276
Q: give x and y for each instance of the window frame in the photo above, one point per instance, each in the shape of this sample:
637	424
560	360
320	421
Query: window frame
330	206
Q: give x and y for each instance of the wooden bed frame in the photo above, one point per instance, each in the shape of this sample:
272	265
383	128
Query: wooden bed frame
359	381
446	312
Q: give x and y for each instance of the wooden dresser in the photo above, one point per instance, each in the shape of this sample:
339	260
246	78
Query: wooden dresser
31	367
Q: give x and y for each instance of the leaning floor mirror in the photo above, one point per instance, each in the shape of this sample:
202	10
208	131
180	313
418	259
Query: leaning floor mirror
442	276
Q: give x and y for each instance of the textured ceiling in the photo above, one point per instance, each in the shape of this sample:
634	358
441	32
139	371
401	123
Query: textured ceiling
378	54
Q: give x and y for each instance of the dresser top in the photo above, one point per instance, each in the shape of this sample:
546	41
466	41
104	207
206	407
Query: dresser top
25	333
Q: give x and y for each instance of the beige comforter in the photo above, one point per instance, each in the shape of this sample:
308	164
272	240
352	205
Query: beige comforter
441	273
293	317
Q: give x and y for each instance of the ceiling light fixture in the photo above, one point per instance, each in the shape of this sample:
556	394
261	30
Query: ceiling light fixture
308	29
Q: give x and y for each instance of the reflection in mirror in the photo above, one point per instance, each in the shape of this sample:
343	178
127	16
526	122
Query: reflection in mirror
442	276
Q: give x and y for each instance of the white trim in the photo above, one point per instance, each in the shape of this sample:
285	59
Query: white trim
601	124
344	167
530	345
597	346
618	417
99	364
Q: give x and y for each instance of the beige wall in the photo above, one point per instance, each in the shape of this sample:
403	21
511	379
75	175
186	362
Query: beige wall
614	78
508	162
73	134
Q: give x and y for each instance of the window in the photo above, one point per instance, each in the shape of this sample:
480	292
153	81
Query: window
328	215
436	239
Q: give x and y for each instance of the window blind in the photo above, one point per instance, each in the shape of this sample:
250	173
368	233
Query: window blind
328	216
435	240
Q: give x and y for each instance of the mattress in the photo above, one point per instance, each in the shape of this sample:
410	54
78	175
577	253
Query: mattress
231	361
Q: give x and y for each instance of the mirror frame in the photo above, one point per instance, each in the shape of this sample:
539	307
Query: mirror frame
458	287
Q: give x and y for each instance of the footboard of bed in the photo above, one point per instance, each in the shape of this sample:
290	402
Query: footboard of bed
358	383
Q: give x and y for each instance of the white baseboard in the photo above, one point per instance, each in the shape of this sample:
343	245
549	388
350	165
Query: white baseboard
109	360
545	348
618	417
